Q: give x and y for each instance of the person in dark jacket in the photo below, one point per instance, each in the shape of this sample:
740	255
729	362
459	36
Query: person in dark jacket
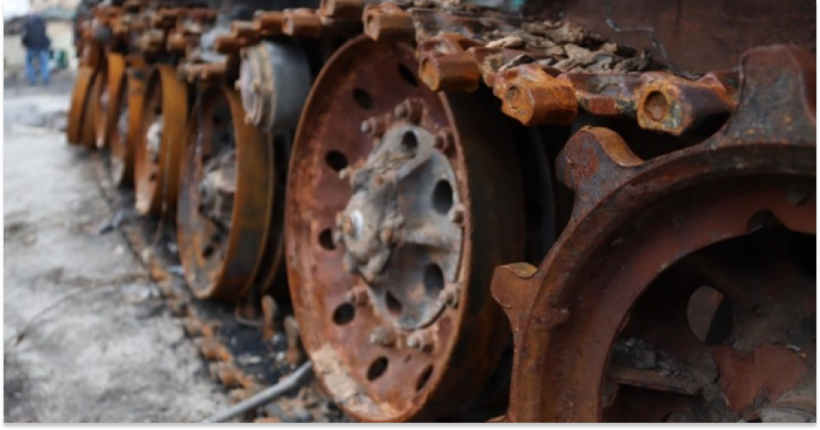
37	46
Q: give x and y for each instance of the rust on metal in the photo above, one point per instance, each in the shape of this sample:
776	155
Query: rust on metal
76	112
373	243
387	21
589	283
226	202
532	96
159	142
301	22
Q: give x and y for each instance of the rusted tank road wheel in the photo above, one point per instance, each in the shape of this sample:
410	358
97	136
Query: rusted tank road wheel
159	144
101	103
108	102
79	98
226	200
125	113
683	287
91	112
400	203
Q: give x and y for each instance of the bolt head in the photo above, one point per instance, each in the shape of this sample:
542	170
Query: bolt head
413	341
420	340
401	111
449	296
382	336
456	214
358	296
366	127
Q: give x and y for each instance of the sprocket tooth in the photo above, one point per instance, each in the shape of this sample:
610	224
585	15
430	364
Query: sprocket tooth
514	290
779	79
595	162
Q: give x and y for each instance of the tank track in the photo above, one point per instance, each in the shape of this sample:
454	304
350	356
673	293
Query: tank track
372	157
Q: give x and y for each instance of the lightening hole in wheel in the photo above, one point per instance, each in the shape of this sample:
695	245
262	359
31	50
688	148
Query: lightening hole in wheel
433	280
377	368
424	377
344	314
326	240
409	142
443	197
393	304
709	316
363	99
216	121
336	160
208	251
407	75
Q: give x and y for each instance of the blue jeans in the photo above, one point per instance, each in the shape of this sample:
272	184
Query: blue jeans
42	56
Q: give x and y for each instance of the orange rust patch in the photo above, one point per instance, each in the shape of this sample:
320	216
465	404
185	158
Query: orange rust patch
770	370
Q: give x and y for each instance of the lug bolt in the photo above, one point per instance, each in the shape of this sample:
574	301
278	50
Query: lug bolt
409	110
456	214
449	296
420	340
358	296
383	336
373	127
444	141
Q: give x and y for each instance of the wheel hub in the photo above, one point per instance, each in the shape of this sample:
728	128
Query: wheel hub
396	228
389	252
218	187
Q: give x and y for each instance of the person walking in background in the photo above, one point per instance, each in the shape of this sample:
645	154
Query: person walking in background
37	46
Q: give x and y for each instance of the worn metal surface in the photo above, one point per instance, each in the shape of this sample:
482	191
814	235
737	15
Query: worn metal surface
368	118
76	110
109	100
694	36
634	219
160	142
88	135
127	128
226	200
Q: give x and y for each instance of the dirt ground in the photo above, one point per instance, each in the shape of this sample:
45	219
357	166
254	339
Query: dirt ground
86	337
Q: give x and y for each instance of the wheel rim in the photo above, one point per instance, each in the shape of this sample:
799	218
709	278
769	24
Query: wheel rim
102	103
227	199
384	346
127	128
159	143
88	135
641	222
74	129
121	155
111	103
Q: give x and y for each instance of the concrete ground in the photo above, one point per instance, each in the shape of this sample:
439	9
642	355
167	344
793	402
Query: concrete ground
86	338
